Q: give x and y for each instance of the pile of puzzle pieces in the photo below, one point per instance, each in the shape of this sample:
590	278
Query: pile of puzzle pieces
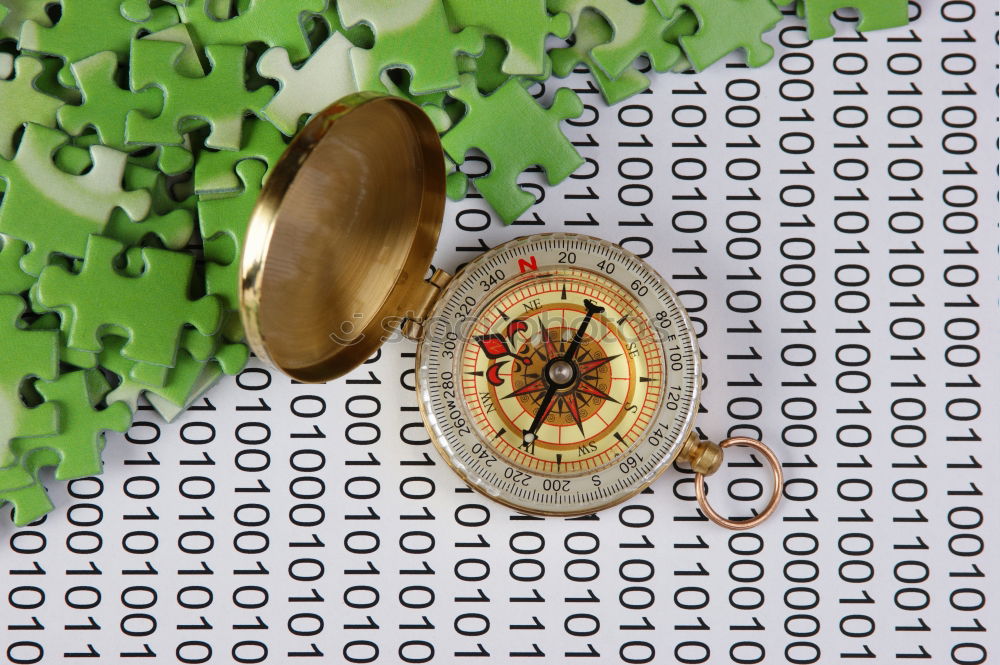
135	136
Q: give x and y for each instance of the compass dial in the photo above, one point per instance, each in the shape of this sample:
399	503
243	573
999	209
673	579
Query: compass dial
558	374
603	392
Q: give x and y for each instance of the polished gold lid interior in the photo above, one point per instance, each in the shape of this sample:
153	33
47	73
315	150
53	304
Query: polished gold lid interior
342	236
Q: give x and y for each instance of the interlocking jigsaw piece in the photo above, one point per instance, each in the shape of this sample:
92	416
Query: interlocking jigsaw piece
184	382
725	26
215	174
27	355
72	206
169	410
13	280
220	97
188	62
685	24
167	220
487	66
397	82
277	23
230	357
13	14
19	485
591	31
323	79
52	321
515	133
86	27
359	35
413	35
151	309
523	24
638	29
875	15
456	182
21	101
78	445
223	227
105	106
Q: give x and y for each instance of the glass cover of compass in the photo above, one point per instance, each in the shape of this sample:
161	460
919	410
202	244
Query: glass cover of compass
558	374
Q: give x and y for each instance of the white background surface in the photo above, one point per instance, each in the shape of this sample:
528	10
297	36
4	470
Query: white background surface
885	548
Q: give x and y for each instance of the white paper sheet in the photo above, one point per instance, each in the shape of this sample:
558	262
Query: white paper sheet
831	222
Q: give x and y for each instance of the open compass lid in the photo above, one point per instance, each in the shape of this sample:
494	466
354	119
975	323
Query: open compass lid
342	236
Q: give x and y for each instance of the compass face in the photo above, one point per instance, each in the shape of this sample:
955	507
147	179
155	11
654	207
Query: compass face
558	374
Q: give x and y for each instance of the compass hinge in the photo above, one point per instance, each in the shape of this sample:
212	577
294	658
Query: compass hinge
413	326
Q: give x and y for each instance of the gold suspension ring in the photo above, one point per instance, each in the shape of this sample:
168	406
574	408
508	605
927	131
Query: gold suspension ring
740	525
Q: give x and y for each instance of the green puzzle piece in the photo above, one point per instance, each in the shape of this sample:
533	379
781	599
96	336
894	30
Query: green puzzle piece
27	354
215	175
725	27
188	62
20	487
13	280
456	182
151	309
875	15
413	35
231	357
317	83
73	206
638	29
74	451
685	24
167	220
182	382
277	23
86	27
105	106
487	66
328	23
515	133
52	321
592	30
219	98
223	227
522	24
21	101
80	440
13	14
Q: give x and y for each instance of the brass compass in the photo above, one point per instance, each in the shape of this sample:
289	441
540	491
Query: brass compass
557	373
